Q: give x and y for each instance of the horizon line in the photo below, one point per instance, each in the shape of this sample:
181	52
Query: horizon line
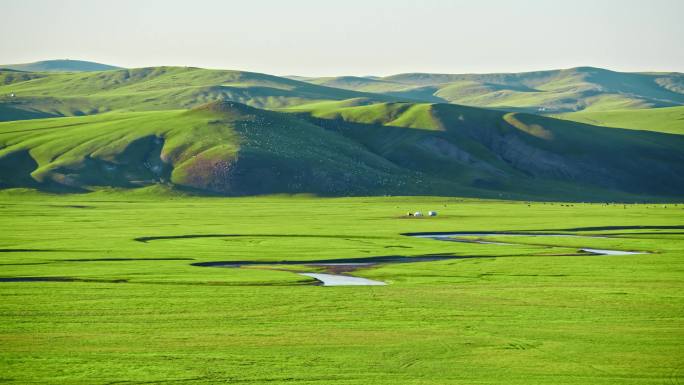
368	75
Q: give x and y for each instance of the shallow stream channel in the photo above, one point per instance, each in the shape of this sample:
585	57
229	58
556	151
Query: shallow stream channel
338	270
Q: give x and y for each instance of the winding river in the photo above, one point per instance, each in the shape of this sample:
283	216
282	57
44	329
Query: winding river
342	266
342	280
457	237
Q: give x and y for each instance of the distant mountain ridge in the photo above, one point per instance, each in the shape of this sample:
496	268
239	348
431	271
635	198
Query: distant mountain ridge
40	95
61	65
587	89
554	91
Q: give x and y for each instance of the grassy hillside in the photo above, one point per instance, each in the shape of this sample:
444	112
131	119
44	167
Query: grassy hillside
341	148
155	88
222	147
60	66
41	94
493	145
404	91
576	89
201	129
669	120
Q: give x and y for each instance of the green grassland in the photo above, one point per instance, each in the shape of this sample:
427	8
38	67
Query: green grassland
669	120
114	184
537	312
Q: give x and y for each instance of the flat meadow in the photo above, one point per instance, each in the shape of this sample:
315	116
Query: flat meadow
101	286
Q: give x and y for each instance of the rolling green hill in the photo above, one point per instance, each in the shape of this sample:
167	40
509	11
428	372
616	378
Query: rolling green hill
60	66
342	148
556	91
243	133
669	120
493	147
155	88
222	147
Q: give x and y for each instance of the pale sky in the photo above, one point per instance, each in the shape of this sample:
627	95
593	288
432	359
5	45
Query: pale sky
349	37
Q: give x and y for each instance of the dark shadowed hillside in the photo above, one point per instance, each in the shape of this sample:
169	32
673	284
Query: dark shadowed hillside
343	148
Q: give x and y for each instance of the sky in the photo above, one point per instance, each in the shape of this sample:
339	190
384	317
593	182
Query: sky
349	37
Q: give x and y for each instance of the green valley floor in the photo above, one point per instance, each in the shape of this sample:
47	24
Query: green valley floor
99	288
